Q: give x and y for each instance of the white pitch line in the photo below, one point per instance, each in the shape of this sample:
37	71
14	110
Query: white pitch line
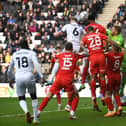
20	115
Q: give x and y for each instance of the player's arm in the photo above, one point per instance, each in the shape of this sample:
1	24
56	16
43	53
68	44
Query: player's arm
50	67
108	41
56	34
10	70
60	33
123	51
37	66
10	73
112	42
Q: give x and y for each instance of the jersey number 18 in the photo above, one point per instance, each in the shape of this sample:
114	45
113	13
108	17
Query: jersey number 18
22	62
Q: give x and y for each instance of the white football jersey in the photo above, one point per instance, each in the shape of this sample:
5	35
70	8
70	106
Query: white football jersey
74	33
24	61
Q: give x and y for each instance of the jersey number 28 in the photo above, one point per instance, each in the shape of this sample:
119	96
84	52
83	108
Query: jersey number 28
96	41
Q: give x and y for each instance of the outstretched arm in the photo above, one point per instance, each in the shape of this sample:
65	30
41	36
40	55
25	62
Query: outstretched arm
56	34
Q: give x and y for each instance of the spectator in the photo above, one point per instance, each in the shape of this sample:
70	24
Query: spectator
32	28
8	58
51	49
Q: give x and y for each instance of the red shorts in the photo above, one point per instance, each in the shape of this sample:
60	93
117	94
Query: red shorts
113	81
97	63
61	82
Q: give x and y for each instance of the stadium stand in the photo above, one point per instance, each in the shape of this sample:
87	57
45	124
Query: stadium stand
36	20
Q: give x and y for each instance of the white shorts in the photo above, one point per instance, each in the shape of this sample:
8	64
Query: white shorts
25	83
76	48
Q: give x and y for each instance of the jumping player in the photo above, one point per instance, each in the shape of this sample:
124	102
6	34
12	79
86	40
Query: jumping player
94	42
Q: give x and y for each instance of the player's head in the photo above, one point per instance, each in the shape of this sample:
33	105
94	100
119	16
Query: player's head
91	18
24	44
116	49
73	19
90	29
69	46
116	29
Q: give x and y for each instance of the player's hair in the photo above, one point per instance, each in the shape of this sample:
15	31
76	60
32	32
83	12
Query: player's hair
69	46
90	28
116	48
24	44
74	19
118	28
58	47
91	17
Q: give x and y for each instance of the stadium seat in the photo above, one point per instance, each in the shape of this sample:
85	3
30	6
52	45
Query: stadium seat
1	33
2	38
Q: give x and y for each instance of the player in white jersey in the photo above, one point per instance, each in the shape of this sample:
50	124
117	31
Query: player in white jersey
25	61
74	33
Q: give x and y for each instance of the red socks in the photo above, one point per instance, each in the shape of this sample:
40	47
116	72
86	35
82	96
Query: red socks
84	74
74	103
103	87
69	99
58	98
118	101
109	103
43	103
93	88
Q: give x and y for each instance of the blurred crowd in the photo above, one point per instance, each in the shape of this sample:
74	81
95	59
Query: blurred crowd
38	20
119	18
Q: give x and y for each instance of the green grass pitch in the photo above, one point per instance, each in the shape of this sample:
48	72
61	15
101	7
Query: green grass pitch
12	115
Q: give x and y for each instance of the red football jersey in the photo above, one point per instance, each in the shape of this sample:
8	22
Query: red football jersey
114	61
67	63
97	27
94	42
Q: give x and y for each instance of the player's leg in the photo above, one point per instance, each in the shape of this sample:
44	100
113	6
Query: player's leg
109	104
93	71
84	70
21	90
116	93
74	102
35	108
59	101
31	87
102	71
45	102
118	102
103	87
68	106
93	89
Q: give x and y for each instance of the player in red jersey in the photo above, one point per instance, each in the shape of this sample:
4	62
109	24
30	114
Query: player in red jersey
114	60
64	79
94	42
98	29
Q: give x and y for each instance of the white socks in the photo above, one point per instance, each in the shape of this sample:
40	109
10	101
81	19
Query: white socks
23	105
82	67
54	71
35	108
72	112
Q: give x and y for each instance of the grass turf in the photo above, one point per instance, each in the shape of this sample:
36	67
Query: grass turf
12	115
